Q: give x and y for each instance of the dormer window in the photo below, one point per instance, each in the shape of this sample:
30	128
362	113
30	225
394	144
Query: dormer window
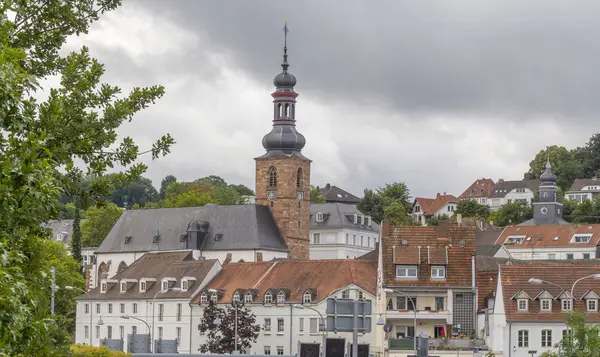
546	305
307	297
362	220
103	287
123	287
142	286
522	305
438	272
128	239
184	285
581	238
592	305
406	271
515	239
61	236
566	304
248	298
368	221
203	298
236	297
165	285
280	297
268	298
319	217
355	218
214	298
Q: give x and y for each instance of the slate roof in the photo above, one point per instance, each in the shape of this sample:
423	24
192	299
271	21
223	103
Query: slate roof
64	226
372	255
486	242
335	194
479	188
461	247
430	206
339	215
515	279
157	265
502	187
295	277
550	235
579	184
241	227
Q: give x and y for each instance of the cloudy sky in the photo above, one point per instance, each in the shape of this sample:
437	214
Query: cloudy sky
434	94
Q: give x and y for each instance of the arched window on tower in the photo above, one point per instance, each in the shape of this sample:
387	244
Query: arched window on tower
279	110
293	111
287	110
299	179
272	177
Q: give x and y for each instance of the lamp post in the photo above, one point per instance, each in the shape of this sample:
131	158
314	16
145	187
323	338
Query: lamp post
127	317
153	309
298	306
414	310
69	287
235	305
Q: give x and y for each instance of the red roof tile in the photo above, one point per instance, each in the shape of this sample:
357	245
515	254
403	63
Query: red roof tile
430	206
550	235
479	188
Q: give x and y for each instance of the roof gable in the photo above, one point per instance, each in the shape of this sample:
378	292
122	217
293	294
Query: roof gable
544	294
430	206
479	188
521	295
579	184
590	294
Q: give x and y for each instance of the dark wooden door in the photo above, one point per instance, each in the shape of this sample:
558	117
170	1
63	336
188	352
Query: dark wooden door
335	347
363	351
309	349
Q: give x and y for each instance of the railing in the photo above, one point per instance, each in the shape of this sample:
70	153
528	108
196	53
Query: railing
436	344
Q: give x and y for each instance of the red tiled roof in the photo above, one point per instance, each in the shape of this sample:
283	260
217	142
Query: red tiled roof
461	247
550	235
431	205
486	285
479	188
515	279
295	277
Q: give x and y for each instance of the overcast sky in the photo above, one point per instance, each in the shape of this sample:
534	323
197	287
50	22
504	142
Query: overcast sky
434	94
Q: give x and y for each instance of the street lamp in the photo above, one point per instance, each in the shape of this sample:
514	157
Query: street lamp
69	287
414	310
234	303
153	309
127	317
298	306
100	322
380	321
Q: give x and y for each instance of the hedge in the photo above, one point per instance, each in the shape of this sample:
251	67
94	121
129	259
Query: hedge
87	351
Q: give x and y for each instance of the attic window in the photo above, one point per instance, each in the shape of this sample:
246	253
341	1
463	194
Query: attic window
581	238
103	287
368	221
218	237
248	298
184	285
362	220
142	286
203	298
165	285
183	238
522	304
156	239
123	287
268	298
280	297
355	218
214	298
61	236
307	297
514	239
319	217
236	297
128	239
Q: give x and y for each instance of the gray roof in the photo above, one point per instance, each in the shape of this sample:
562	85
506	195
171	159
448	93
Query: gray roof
64	226
486	263
485	242
578	184
157	265
239	227
336	194
339	215
533	222
504	187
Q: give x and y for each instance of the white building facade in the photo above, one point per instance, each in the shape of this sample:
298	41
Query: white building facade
512	191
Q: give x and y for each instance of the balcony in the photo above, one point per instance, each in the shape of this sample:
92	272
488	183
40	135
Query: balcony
421	314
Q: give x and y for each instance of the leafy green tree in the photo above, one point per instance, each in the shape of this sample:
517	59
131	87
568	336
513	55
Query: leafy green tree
99	222
315	195
164	184
372	205
127	193
471	209
396	214
589	156
511	214
213	180
242	190
76	236
396	192
583	341
219	325
225	195
565	165
187	199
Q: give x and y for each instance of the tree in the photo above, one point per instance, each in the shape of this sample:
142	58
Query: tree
225	195
212	180
126	194
76	237
396	214
242	190
583	341
565	165
396	192
511	214
371	204
589	156
99	222
471	209
164	184
219	325
315	195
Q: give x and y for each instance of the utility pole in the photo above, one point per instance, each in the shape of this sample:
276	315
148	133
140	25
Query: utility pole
355	330
53	272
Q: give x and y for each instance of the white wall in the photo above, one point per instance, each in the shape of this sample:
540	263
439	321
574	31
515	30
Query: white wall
543	253
512	196
534	329
447	209
333	243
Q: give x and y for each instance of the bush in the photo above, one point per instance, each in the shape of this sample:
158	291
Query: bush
88	351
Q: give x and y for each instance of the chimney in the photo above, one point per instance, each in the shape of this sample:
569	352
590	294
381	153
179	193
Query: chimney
459	219
327	187
438	195
443	229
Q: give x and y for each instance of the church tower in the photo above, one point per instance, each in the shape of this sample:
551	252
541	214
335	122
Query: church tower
547	210
283	173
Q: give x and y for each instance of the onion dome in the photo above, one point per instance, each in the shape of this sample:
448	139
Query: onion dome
548	175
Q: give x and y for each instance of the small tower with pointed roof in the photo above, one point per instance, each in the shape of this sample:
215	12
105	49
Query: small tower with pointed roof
547	210
283	173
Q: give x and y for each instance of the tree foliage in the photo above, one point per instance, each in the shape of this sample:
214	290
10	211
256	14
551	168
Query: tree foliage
126	194
164	184
583	341
564	164
315	195
375	202
99	222
511	214
219	325
471	209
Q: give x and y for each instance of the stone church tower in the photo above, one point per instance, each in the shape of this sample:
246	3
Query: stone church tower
283	173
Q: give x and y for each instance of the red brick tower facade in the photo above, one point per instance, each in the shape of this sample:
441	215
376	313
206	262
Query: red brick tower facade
283	173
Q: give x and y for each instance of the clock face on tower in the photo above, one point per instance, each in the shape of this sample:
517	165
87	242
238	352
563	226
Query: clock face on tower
271	195
300	196
544	210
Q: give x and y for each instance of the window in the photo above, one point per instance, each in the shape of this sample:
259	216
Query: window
346	294
135	307
86	307
267	326
319	217
439	303
97	331
360	295
280	297
317	238
103	287
299	179
347	238
272	177
178	331
546	305
354	239
307	297
97	308
203	299
179	310
268	298
123	287
142	286
267	350
362	243
515	239
406	271
110	308
280	325
161	311
160	333
109	332
402	303
592	305
566	304
248	298
184	285
450	208
551	256
438	272
134	330
301	325
86	331
122	308
368	241
522	304
122	332
581	238
523	339
546	338
214	298
316	325
586	255
280	350
165	285
570	256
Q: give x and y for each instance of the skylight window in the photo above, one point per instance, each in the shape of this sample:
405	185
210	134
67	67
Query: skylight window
581	238
515	239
